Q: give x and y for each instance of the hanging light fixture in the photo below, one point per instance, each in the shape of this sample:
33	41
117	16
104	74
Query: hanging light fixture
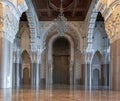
61	22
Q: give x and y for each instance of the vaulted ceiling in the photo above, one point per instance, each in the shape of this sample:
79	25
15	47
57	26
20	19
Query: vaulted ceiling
74	10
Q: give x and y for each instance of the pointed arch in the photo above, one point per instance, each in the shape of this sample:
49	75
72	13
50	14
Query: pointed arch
97	57
26	68
96	70
72	29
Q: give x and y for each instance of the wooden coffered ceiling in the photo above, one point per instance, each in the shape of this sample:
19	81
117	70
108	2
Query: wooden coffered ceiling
74	10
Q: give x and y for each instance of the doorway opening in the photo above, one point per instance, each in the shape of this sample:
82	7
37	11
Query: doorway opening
26	67
61	61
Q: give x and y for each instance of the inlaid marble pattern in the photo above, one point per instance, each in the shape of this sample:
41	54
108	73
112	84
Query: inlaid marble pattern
58	95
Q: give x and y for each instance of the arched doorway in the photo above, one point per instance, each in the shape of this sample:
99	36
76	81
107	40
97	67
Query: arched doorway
26	78
61	61
96	70
50	59
26	68
96	78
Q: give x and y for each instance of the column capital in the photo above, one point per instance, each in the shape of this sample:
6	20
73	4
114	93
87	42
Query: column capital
35	57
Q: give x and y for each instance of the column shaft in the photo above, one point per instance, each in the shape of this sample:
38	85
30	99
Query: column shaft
115	66
35	75
17	76
5	63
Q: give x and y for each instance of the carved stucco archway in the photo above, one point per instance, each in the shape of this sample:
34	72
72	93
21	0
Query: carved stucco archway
74	37
71	29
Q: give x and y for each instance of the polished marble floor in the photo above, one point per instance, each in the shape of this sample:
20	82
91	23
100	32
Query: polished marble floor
58	95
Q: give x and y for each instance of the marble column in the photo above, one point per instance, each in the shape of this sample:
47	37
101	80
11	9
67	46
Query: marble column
5	63
33	67
87	76
35	75
49	75
17	75
115	65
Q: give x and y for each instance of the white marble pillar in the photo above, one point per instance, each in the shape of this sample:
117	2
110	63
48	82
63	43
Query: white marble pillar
88	76
9	21
5	63
88	70
17	69
37	75
35	71
17	75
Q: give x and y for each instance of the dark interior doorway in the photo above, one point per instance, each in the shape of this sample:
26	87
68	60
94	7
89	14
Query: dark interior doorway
26	79
61	61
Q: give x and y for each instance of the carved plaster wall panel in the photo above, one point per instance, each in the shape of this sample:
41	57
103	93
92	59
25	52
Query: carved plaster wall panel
73	28
99	36
112	25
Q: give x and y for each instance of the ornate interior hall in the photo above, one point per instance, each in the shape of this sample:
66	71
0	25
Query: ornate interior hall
53	50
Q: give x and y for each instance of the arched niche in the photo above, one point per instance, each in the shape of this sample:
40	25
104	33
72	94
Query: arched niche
49	67
26	68
96	70
101	43
96	78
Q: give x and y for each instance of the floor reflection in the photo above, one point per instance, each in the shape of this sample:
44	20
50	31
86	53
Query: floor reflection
58	94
